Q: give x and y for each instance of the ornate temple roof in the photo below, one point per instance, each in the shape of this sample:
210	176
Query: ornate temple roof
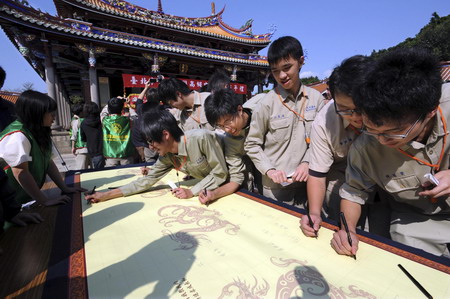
28	16
10	96
210	26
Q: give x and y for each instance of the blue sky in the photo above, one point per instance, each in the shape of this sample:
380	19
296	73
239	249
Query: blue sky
329	31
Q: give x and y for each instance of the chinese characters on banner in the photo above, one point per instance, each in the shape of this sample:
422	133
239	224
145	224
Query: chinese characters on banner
140	80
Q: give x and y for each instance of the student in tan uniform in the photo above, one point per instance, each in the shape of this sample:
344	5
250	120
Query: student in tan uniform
334	129
405	111
190	114
278	139
225	111
195	152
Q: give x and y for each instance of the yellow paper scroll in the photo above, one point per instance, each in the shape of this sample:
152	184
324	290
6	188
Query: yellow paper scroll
157	246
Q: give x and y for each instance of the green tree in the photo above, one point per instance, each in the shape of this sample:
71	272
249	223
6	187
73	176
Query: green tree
435	36
309	80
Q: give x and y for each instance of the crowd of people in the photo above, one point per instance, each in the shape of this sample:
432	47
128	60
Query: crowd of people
377	152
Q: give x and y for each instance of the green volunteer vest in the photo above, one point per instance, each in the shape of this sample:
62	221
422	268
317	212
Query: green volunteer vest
38	166
79	143
116	137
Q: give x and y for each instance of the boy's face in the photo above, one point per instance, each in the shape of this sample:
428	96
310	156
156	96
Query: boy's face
232	124
178	103
388	133
164	146
286	73
345	108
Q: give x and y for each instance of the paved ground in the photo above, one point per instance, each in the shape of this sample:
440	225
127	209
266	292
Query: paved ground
68	158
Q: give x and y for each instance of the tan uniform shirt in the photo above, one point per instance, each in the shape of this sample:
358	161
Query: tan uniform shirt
331	137
234	146
195	118
277	136
371	163
201	156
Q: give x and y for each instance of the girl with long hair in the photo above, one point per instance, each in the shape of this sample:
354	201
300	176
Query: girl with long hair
26	148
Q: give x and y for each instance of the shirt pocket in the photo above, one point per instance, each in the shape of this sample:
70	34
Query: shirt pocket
402	184
280	129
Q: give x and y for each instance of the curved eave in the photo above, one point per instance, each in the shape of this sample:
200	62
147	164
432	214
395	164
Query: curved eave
144	43
251	41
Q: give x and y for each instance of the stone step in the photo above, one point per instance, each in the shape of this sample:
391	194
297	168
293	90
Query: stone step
62	142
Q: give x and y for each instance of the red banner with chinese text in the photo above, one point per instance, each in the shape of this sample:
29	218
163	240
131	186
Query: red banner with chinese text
140	80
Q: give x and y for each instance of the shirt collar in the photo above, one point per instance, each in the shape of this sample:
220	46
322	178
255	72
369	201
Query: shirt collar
197	98
285	95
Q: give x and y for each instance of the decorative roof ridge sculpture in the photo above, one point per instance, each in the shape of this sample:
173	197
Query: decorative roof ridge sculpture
86	30
200	25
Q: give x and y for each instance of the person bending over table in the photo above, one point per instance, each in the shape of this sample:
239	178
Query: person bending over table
197	153
405	109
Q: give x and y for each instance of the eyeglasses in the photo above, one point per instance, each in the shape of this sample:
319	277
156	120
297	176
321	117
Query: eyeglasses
392	136
226	124
150	142
345	112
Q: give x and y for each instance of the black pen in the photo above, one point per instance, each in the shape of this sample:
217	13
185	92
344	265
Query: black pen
349	238
311	223
421	288
90	193
205	193
93	191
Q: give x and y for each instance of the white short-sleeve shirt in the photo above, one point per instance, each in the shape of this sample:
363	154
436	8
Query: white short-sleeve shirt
15	149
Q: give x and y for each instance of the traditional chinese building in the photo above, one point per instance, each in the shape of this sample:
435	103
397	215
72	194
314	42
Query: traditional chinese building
90	44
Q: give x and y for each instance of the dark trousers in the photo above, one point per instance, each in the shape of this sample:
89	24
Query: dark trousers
98	162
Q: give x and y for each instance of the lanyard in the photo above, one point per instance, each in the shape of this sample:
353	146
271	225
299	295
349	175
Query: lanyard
438	165
198	115
293	111
301	117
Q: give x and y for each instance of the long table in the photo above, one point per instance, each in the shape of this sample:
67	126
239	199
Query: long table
157	246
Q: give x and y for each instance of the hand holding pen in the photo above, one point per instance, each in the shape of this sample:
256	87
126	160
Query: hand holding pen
144	170
345	241
310	224
206	197
349	237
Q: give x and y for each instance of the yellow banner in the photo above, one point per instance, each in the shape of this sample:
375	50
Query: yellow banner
156	245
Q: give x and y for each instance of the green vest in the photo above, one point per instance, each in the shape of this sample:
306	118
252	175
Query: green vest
117	137
78	142
38	166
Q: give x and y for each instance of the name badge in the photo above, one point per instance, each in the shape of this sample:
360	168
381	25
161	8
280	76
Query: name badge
200	160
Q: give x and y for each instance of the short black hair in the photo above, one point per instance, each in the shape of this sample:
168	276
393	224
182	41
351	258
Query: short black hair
348	74
155	121
77	109
403	85
218	80
115	105
220	103
2	77
151	103
152	95
91	109
168	88
283	48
